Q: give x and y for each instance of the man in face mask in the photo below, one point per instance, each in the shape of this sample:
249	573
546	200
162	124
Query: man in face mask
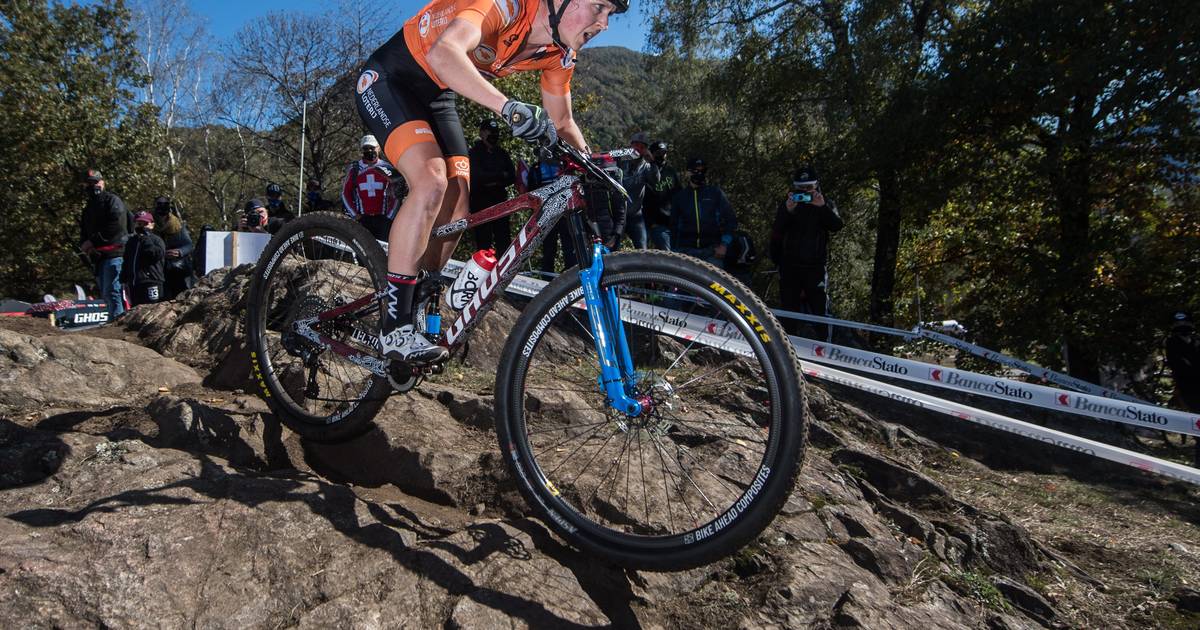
492	172
1183	357
104	227
657	204
370	190
276	206
702	219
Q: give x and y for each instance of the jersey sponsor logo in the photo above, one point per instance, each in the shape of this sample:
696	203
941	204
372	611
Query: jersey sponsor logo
484	54
423	25
462	167
423	131
366	79
511	39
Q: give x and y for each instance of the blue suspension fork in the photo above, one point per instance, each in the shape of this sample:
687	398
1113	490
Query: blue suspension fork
604	316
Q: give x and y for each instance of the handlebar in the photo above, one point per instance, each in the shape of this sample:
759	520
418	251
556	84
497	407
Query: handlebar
574	158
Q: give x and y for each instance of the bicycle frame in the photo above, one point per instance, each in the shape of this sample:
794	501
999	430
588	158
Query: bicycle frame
549	204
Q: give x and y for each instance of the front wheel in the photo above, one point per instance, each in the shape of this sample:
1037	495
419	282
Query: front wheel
713	456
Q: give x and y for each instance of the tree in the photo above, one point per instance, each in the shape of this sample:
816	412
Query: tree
1095	105
67	80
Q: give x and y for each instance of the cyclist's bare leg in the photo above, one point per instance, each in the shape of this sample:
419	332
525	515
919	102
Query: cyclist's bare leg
455	206
424	170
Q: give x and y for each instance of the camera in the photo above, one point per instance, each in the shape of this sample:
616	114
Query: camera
253	218
801	197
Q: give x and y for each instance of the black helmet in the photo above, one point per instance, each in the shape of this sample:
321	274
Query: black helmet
804	175
274	190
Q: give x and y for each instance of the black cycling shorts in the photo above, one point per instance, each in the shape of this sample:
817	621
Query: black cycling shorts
402	106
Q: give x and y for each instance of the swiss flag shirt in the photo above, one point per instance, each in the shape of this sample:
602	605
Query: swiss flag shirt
368	190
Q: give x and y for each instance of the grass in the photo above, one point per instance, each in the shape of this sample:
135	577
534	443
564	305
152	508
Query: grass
978	587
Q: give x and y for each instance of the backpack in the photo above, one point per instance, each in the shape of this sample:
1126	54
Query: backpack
742	254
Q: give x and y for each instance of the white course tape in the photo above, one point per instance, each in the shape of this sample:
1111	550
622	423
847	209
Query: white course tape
1136	414
1007	424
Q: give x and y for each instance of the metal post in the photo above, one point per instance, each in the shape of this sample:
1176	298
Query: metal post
300	185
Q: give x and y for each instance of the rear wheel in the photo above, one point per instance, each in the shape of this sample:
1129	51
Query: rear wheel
712	459
316	263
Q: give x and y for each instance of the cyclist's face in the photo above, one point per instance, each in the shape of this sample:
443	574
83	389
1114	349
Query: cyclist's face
584	20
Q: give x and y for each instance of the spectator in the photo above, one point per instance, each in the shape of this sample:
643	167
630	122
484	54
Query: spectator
177	267
637	176
276	207
142	271
606	209
1183	356
702	221
368	193
492	171
314	196
656	208
104	227
256	218
545	173
800	248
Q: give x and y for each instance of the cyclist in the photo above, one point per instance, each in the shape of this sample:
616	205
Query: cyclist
405	95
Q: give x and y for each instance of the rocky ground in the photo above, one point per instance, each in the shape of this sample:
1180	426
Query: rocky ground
141	486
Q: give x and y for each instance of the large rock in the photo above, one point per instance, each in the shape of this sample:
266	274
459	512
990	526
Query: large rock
81	371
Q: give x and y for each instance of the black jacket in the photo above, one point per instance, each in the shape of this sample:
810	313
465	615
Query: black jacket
800	238
606	209
1183	356
657	204
638	177
701	217
143	264
492	171
106	223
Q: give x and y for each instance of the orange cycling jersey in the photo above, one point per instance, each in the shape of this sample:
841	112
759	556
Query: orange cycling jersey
505	27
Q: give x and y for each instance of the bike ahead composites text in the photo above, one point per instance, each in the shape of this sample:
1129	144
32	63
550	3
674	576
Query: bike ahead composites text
648	405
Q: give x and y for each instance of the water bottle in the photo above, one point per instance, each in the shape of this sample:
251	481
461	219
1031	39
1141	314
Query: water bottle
477	268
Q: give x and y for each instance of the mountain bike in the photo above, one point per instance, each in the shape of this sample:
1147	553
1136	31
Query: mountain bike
649	406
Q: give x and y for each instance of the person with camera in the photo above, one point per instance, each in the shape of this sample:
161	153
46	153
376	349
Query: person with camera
656	207
702	219
142	272
1183	357
276	207
800	249
177	267
256	218
104	227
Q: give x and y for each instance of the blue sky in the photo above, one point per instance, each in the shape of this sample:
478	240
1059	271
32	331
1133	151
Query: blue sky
225	17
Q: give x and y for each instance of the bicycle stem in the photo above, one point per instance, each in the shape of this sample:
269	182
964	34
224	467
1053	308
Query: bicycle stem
604	317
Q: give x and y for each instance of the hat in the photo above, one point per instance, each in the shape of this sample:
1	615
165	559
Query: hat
274	189
659	146
255	204
162	201
639	137
696	162
489	123
143	217
369	141
1182	319
93	175
804	175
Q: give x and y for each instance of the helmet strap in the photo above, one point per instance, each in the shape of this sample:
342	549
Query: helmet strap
555	17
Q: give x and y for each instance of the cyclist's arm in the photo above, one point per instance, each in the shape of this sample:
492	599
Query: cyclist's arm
558	106
448	59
